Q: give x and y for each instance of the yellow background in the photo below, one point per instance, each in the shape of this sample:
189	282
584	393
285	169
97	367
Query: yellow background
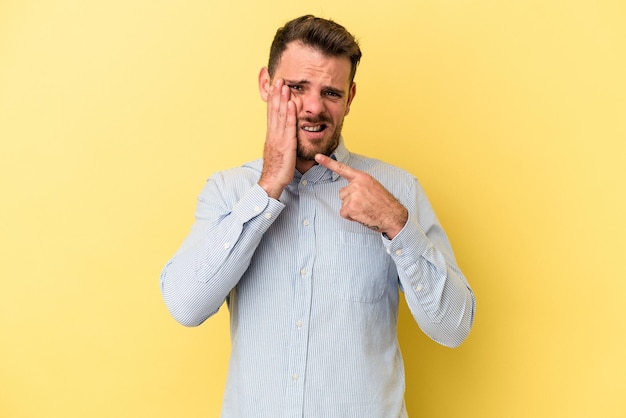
113	114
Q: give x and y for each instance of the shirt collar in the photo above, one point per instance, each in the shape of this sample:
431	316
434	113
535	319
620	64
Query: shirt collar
318	172
340	154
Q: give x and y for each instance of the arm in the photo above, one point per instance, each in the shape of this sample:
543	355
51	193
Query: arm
227	231
437	294
217	251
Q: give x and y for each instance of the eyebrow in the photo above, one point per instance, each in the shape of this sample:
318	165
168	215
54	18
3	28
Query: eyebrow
325	88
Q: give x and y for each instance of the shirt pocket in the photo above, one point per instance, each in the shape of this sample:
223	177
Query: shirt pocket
363	267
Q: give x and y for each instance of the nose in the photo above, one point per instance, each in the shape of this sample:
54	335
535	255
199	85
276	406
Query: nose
312	104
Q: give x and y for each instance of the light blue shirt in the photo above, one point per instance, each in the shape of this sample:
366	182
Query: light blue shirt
313	297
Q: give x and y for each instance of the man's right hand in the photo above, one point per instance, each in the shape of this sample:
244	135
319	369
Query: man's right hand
279	153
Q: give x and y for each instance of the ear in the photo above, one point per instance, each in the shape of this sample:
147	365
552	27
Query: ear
265	83
351	95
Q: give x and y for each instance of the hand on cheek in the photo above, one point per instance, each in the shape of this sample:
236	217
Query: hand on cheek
279	154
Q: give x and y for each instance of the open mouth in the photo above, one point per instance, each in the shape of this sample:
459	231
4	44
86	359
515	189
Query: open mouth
314	128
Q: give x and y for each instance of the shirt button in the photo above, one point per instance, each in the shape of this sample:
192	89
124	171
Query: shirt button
299	324
226	245
257	209
304	182
303	272
419	287
306	222
398	252
268	215
295	376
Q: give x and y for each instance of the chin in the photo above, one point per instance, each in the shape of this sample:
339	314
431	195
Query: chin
309	151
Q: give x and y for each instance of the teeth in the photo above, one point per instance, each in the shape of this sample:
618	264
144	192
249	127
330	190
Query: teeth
316	128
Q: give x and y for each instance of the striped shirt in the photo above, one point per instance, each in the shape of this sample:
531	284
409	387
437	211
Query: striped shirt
313	297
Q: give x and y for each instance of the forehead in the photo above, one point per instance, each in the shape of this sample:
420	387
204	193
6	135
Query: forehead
304	63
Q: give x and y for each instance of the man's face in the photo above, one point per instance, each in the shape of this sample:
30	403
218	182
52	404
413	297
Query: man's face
320	88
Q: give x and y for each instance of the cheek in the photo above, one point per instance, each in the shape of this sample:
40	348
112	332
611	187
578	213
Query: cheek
339	112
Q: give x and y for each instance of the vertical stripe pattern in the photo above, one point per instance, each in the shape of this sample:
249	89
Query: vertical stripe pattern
313	297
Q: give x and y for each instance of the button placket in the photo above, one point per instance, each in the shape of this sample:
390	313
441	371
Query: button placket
301	304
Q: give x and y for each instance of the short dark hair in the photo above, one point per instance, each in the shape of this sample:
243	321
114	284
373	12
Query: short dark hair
328	37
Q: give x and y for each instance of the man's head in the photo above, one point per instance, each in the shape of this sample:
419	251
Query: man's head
326	36
316	60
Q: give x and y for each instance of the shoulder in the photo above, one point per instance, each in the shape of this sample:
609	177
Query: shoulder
245	173
232	183
402	184
379	169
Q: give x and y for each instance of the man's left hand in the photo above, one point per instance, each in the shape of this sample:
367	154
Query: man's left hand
366	201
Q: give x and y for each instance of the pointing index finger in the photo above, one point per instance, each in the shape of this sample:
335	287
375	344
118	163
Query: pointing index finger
342	169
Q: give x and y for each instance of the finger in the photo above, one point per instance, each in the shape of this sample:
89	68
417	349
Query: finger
275	91
277	103
344	192
290	124
342	169
273	103
283	105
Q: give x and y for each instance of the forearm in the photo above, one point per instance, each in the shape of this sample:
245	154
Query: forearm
196	281
217	252
436	292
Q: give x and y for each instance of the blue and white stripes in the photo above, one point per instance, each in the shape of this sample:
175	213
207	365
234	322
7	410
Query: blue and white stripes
313	297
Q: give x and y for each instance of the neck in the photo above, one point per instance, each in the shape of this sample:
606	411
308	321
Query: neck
304	165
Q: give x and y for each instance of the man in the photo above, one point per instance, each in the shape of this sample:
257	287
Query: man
310	248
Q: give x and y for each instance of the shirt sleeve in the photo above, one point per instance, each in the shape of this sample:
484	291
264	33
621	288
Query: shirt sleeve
217	251
437	294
